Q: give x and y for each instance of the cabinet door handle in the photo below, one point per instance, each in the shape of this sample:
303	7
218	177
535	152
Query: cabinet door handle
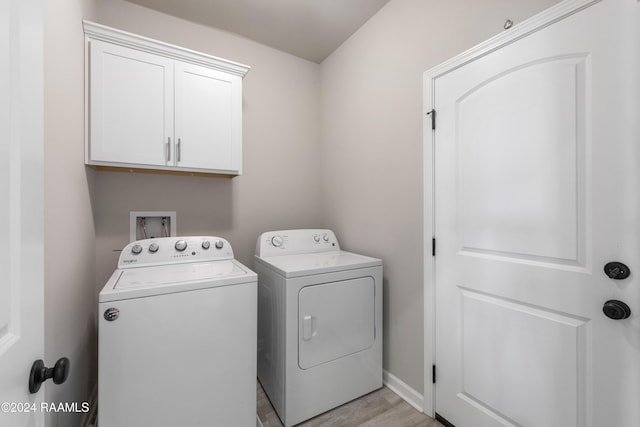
178	150
169	149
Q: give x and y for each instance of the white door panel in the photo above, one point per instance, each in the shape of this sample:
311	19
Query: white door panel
520	192
21	220
508	349
536	189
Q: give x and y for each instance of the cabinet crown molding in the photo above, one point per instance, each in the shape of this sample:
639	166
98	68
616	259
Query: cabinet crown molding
94	31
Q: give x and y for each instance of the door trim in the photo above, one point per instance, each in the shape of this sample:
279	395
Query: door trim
519	31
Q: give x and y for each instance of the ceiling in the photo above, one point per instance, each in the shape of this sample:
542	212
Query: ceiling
310	29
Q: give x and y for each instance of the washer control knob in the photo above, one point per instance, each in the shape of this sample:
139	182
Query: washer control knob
219	244
277	241
136	249
325	237
181	245
206	244
316	237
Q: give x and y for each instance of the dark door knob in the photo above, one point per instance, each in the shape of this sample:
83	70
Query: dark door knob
616	310
40	373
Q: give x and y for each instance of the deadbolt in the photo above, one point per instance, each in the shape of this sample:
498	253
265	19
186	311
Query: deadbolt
616	270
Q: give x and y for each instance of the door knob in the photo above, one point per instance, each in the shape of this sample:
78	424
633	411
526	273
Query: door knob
616	270
40	373
616	310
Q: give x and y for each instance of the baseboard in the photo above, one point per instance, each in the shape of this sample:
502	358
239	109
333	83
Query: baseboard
400	388
90	419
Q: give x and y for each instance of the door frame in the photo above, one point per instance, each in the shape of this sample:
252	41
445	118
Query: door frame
521	30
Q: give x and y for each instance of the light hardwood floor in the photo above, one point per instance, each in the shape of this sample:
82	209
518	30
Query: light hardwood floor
382	408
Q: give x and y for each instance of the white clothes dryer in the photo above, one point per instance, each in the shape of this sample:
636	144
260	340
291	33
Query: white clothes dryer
177	336
319	322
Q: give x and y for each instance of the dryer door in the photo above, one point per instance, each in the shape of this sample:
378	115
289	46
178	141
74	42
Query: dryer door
335	320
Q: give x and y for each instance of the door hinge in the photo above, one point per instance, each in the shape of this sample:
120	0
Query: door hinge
433	373
432	113
433	247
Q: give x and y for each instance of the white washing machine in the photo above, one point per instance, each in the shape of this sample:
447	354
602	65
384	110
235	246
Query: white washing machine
319	322
177	336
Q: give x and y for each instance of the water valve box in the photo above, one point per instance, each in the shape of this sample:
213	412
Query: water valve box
149	225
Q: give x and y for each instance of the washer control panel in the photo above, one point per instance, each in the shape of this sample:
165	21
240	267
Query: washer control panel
173	250
291	242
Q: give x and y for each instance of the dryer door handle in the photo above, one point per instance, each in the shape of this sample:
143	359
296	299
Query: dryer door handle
308	327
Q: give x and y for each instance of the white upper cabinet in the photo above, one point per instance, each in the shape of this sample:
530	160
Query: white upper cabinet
207	130
156	106
131	105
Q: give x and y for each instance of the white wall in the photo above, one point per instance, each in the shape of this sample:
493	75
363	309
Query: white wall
280	184
70	298
371	145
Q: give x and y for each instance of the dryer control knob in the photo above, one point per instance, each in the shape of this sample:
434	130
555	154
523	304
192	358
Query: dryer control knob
153	248
136	249
316	238
219	244
181	245
277	241
206	244
325	237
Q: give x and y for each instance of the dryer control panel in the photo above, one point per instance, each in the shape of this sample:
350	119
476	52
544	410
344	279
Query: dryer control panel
291	242
174	250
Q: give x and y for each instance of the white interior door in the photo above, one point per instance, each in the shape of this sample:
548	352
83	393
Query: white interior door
537	164
21	204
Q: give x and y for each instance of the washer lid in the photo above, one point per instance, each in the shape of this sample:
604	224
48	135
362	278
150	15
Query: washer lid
163	279
318	263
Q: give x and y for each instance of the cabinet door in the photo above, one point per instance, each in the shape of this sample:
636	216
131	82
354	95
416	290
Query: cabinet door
208	124
131	106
